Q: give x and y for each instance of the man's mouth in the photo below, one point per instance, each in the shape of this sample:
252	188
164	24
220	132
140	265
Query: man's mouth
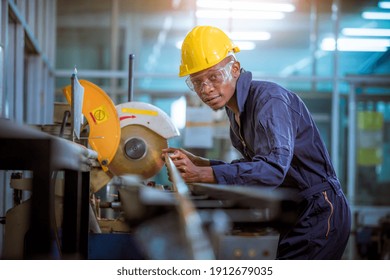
211	99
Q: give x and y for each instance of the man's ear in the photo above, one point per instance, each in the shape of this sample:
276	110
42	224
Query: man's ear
236	69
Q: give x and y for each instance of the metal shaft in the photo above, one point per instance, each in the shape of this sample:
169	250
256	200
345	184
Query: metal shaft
131	80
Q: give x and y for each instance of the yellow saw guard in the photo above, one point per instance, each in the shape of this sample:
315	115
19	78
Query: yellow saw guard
104	127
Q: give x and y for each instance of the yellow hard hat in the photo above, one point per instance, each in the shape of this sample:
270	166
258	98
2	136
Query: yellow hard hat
204	47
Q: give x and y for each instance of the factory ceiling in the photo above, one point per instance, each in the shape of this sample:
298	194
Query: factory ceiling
298	46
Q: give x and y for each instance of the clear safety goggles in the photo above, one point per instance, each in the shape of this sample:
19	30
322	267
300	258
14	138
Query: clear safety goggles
210	78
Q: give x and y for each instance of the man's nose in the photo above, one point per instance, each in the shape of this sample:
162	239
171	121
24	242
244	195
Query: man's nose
203	86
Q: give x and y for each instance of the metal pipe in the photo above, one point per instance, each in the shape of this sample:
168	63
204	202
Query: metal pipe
336	90
363	79
177	182
65	118
351	145
2	85
72	105
351	172
313	40
197	239
114	42
131	79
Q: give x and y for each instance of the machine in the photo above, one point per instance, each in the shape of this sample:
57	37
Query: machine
128	137
152	221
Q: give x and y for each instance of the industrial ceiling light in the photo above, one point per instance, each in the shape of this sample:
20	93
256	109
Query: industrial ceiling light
376	15
356	45
243	45
252	36
384	4
234	14
247	10
243	39
370	32
246	45
242	9
246	5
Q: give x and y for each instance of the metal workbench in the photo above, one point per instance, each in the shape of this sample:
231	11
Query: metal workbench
25	148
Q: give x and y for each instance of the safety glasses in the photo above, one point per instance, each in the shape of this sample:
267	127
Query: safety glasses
210	78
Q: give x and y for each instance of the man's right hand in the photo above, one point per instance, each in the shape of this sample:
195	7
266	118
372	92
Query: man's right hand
196	160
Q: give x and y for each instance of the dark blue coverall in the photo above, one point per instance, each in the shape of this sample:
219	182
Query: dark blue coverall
282	148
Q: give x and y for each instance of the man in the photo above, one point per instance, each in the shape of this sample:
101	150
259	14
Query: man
280	145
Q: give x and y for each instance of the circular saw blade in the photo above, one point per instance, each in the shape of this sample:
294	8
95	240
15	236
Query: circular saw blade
139	152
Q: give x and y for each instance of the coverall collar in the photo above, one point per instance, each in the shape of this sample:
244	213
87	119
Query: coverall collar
242	89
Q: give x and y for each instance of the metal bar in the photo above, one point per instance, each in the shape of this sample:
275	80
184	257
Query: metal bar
39	239
131	78
313	40
2	83
76	215
191	221
18	93
71	217
84	215
370	79
351	145
73	106
336	90
351	172
114	42
51	56
178	184
3	61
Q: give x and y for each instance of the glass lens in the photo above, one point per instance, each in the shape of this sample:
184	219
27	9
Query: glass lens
213	77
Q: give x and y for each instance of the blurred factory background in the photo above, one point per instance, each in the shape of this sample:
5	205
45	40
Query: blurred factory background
334	53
